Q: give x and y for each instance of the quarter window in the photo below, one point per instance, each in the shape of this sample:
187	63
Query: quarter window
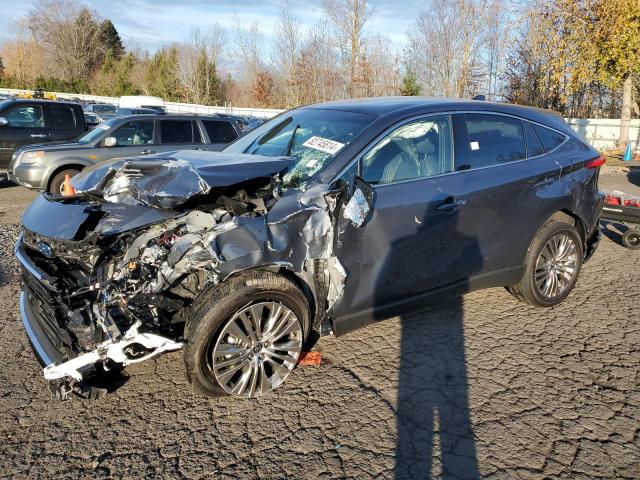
25	117
415	150
220	132
493	139
134	133
534	147
176	131
550	139
62	118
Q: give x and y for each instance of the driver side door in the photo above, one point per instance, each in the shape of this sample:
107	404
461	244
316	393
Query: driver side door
133	138
410	244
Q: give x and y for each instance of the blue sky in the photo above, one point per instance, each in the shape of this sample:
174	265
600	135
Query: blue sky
149	24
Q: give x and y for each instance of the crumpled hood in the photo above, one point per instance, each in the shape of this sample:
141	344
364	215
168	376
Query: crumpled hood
169	180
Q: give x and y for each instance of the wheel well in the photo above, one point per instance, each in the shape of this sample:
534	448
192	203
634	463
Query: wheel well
290	275
75	166
570	217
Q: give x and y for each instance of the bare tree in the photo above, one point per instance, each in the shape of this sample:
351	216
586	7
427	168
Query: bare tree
445	45
248	43
22	56
348	19
286	53
70	35
384	77
197	65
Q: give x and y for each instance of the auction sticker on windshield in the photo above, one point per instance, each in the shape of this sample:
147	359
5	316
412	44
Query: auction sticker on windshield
324	145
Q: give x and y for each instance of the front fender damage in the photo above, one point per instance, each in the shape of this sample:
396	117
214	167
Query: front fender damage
131	304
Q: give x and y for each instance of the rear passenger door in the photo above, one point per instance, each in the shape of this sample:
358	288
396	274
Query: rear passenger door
179	135
507	183
220	133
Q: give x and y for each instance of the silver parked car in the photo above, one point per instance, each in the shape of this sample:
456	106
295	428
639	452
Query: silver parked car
44	167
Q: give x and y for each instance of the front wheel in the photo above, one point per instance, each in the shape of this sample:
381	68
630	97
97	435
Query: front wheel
245	336
553	263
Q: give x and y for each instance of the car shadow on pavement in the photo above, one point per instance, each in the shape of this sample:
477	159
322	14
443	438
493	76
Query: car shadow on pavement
5	182
435	436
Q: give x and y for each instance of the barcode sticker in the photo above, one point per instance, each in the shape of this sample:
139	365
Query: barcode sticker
324	145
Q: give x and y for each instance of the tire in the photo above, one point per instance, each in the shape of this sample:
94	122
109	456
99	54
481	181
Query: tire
56	183
631	239
556	278
213	338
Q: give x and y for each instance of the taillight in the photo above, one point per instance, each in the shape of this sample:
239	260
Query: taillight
596	162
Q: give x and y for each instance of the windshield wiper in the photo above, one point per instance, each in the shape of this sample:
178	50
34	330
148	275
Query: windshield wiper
287	152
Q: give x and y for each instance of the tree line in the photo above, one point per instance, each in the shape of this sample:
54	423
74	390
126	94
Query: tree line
578	57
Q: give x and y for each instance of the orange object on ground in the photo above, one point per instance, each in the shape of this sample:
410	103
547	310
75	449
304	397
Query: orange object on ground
310	358
67	188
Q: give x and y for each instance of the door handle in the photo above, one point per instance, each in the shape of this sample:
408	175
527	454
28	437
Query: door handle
147	152
450	205
39	135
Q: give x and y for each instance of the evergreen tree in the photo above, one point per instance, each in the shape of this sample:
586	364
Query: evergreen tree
161	76
111	40
410	85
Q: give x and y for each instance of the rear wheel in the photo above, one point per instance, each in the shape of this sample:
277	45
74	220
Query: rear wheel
56	185
245	336
553	264
631	239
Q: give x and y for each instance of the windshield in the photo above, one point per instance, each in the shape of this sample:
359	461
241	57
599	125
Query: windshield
313	137
97	132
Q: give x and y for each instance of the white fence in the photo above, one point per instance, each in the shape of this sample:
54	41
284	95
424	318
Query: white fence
172	107
600	132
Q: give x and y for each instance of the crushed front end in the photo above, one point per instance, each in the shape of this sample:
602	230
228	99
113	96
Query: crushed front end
110	274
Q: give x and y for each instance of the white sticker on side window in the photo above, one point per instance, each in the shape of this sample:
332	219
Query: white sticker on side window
324	145
474	145
104	127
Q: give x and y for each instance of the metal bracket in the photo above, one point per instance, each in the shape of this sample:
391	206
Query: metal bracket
114	351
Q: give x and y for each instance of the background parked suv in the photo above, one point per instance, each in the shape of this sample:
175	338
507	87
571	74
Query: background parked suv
24	122
45	167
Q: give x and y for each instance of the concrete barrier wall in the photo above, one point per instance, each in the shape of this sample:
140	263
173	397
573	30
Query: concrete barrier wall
602	133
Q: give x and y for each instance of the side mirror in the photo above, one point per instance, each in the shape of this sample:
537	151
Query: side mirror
110	142
360	202
4	122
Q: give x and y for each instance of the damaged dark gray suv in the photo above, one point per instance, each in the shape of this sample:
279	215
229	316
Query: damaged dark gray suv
323	219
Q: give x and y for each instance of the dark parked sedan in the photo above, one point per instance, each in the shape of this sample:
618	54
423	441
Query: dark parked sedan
323	219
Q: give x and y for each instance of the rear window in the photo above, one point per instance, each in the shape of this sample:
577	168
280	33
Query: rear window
493	139
62	117
104	108
549	138
220	131
176	131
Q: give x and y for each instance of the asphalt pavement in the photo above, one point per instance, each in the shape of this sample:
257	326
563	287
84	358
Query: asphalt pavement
481	386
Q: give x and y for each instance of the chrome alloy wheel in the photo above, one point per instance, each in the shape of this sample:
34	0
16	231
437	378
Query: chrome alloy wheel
256	349
556	265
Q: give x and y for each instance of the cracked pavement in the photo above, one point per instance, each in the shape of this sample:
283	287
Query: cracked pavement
481	386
